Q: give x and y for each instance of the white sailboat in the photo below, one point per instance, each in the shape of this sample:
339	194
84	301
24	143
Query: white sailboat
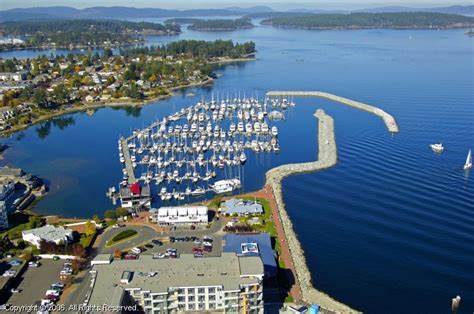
468	164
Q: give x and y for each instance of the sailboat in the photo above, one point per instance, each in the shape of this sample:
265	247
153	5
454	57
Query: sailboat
468	164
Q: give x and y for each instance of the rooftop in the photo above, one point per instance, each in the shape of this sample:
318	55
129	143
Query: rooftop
49	232
158	275
239	206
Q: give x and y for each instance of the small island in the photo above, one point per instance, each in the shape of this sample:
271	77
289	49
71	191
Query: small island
78	33
401	20
33	90
220	25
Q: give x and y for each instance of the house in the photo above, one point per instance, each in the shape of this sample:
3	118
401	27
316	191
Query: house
256	244
241	207
179	215
48	233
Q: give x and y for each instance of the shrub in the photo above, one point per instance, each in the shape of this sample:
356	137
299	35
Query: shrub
123	235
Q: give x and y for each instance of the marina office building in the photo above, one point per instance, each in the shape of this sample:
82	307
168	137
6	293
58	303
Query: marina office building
225	284
179	215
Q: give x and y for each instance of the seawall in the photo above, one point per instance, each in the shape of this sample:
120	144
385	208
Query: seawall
327	157
388	119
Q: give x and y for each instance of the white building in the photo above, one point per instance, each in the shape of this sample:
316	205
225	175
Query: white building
223	284
3	216
48	233
180	215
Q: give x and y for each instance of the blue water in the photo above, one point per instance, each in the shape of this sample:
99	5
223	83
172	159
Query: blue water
389	229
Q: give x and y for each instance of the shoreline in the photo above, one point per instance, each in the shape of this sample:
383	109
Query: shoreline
327	157
97	105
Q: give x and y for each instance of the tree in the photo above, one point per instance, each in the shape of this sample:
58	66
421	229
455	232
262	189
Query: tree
78	250
96	218
90	229
121	211
110	214
108	53
40	96
117	253
77	265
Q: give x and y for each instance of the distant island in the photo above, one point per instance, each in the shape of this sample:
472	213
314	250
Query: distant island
182	20
221	25
405	20
78	33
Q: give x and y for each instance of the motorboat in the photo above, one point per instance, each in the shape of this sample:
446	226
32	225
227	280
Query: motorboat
438	147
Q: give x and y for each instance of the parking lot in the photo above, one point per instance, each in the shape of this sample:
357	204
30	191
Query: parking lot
183	246
35	281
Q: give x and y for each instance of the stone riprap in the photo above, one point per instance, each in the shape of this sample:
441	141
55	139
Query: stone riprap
327	157
388	119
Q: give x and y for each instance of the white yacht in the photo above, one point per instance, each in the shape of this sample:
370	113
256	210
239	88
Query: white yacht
225	186
243	157
468	164
438	147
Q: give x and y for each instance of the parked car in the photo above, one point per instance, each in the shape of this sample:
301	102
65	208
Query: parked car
52	292
9	273
136	250
34	264
149	245
198	254
45	302
14	263
56	258
157	242
65	272
52	297
12	290
196	249
130	256
197	241
172	239
207	249
58	284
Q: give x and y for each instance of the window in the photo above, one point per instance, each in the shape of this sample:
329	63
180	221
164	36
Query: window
190	290
211	290
201	299
181	299
201	290
180	291
191	306
191	298
212	298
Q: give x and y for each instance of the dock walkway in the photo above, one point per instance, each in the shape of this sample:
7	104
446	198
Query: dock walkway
128	162
388	119
327	157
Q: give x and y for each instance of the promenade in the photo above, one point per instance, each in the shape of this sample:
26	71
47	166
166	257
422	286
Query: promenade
387	118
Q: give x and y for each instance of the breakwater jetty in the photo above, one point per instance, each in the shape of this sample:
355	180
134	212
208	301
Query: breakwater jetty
388	119
327	157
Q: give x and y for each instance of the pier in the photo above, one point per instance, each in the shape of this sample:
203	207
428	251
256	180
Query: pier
388	119
128	162
327	157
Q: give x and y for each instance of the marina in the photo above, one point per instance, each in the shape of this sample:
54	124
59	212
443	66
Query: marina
199	149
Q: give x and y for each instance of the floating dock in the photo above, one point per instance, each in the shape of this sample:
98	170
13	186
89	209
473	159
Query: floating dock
388	119
327	157
128	162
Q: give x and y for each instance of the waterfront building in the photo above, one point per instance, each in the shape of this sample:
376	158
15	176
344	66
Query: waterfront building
6	190
135	196
257	244
3	216
227	283
241	207
48	233
180	215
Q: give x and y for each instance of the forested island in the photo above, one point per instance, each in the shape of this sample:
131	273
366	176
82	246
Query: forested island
79	33
221	25
47	86
182	20
403	20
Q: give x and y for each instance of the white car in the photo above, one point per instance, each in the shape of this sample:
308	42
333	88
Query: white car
33	264
52	292
15	290
136	250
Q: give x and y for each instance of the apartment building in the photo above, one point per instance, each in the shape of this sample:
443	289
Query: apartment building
226	284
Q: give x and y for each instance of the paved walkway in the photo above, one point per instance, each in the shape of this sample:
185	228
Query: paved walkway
285	256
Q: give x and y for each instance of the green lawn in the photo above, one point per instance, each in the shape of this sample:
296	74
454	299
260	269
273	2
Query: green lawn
124	235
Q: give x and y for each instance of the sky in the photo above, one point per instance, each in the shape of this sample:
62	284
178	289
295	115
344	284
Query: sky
192	4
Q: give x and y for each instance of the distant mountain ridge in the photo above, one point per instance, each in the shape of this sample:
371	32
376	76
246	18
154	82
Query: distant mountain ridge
120	12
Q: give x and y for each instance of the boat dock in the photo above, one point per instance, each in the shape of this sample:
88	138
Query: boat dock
388	119
128	161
